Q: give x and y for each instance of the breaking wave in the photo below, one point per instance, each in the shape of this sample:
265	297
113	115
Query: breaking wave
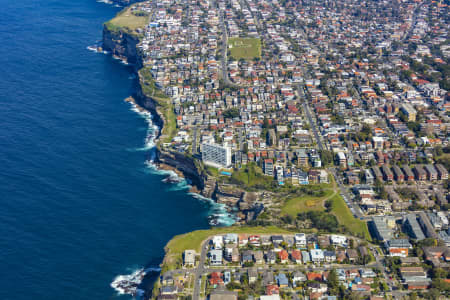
110	2
97	48
152	129
218	213
130	284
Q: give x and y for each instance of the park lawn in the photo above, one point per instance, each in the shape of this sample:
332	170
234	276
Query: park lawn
339	208
246	48
127	19
193	240
296	205
346	218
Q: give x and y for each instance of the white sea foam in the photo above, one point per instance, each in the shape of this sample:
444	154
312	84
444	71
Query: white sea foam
122	60
152	129
218	212
92	48
106	1
128	284
180	186
178	183
96	48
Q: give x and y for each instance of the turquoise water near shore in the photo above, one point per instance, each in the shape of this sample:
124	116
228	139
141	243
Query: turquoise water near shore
79	206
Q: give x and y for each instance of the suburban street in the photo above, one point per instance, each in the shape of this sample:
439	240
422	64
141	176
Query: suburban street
202	269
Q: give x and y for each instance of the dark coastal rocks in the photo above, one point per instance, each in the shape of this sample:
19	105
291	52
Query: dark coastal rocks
121	44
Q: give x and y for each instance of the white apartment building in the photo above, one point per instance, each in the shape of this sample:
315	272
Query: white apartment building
216	155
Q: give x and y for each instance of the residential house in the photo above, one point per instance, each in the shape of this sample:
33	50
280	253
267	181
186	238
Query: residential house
398	247
329	256
189	258
215	279
271	257
283	256
317	255
298	277
252	275
282	280
352	255
300	240
306	258
247	257
215	257
296	256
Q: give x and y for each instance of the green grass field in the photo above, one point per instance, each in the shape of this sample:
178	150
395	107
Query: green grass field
339	208
296	205
346	218
246	48
127	19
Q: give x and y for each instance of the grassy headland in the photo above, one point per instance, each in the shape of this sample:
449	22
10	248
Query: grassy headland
194	239
128	20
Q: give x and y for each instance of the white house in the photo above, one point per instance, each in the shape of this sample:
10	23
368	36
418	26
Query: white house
317	255
230	238
300	240
189	258
217	241
215	257
338	240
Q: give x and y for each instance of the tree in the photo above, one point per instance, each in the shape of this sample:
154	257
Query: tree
440	285
333	281
433	294
326	157
265	123
231	113
328	205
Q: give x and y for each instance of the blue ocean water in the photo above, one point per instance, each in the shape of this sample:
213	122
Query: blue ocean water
78	204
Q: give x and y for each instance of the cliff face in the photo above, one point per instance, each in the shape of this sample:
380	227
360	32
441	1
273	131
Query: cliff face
122	44
184	164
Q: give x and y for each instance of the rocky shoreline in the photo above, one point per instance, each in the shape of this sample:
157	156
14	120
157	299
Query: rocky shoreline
123	45
242	204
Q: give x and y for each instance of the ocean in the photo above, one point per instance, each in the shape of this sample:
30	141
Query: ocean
80	205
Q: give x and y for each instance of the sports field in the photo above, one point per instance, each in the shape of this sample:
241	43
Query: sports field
246	48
